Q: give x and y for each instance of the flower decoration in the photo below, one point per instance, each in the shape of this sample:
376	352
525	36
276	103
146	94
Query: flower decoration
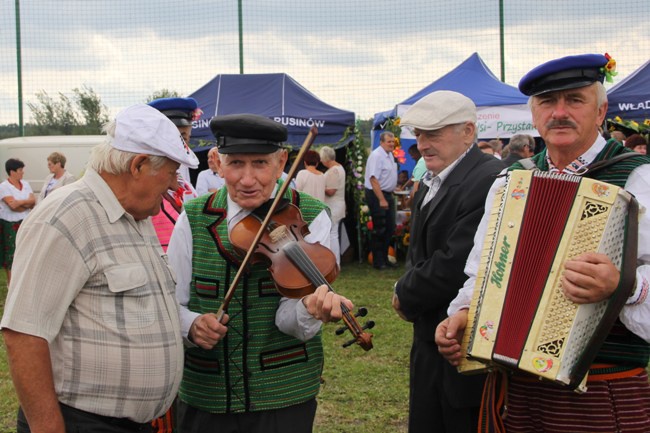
392	125
356	156
365	220
609	69
399	154
629	126
196	114
356	153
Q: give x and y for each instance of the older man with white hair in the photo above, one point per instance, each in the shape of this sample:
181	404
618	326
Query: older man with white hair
91	322
446	211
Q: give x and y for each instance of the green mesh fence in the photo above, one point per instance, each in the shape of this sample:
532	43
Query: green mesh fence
358	55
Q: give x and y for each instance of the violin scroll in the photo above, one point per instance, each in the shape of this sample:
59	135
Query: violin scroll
363	339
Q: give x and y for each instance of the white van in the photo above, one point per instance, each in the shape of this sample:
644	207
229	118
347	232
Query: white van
34	150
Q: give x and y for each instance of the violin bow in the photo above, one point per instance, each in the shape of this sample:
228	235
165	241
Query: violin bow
309	140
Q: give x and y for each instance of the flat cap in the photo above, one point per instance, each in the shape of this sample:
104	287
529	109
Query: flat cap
565	73
143	129
439	109
247	133
181	111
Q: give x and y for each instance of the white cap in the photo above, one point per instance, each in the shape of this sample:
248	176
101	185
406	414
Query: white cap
143	129
439	109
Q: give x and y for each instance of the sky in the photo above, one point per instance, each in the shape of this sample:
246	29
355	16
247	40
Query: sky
358	55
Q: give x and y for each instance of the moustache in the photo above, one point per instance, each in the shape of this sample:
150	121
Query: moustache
561	123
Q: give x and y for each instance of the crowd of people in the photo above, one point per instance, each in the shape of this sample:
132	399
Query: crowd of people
127	309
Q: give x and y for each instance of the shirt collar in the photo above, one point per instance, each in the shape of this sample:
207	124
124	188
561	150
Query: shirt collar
444	174
105	195
581	161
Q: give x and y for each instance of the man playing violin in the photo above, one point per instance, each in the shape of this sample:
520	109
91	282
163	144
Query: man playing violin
259	370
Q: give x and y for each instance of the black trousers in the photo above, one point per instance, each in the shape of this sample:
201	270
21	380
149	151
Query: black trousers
429	407
293	419
79	421
383	227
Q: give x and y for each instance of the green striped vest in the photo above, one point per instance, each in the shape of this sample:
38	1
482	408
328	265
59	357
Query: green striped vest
621	347
255	367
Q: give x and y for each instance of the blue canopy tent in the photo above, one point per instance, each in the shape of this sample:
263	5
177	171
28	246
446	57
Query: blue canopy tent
501	108
475	80
630	98
276	96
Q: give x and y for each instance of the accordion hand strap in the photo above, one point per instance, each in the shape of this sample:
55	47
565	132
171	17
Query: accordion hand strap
599	165
529	164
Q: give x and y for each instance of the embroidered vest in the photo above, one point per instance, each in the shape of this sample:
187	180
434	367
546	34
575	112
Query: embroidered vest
255	367
622	347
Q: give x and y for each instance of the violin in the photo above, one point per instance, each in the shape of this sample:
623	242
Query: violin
281	233
285	250
297	267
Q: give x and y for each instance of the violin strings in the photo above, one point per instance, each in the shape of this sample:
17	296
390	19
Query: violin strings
304	263
299	257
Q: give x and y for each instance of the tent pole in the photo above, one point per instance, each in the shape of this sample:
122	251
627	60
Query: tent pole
21	124
501	42
241	38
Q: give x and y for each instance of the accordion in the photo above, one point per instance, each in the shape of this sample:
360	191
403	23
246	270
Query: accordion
519	318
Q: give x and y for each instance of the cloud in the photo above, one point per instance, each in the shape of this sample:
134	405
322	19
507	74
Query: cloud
361	55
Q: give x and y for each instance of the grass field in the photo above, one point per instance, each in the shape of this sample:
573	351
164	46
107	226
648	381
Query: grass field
363	392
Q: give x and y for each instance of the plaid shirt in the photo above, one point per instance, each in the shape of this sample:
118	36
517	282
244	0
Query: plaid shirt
95	284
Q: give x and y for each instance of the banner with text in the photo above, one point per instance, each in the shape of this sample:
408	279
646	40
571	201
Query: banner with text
494	122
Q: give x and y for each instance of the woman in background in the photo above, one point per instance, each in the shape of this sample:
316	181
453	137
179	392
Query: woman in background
637	143
310	179
58	175
17	200
334	195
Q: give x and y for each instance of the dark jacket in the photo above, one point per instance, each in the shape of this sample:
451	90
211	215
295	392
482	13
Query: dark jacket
442	235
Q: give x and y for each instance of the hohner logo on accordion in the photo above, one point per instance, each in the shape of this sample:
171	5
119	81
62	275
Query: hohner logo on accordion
519	318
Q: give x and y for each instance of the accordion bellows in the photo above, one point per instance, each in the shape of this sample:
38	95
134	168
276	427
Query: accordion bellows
519	318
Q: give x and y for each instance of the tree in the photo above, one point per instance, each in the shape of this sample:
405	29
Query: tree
94	112
53	116
163	93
